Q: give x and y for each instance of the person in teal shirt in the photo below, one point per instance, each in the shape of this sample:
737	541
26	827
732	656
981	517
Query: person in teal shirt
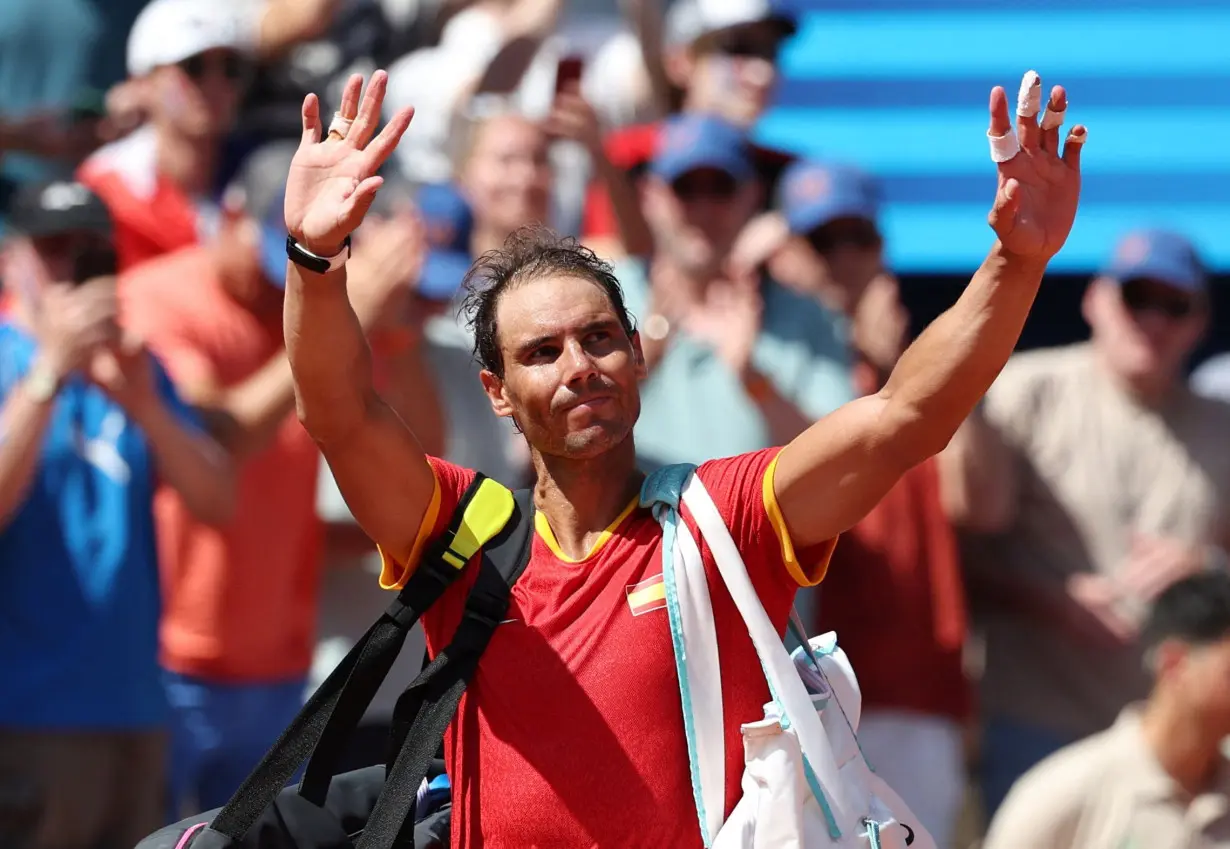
737	361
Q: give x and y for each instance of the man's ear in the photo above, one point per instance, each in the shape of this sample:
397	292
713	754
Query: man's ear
642	371
493	385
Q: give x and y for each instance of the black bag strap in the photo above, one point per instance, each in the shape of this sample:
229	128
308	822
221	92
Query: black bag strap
426	707
332	713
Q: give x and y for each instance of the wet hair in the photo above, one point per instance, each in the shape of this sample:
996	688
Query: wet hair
1194	610
530	253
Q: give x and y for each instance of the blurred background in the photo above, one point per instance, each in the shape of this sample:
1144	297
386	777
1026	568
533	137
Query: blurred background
788	191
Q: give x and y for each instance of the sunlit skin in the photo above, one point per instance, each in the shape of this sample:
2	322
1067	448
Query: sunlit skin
571	372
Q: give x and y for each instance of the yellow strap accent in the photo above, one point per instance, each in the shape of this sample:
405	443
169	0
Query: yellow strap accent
484	517
804	576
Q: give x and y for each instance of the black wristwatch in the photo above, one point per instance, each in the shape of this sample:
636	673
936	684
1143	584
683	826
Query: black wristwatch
300	255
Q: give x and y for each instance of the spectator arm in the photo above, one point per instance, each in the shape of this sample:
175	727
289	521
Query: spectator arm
645	18
979	478
23	424
286	23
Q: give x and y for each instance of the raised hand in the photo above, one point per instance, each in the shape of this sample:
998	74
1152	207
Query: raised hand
333	182
75	321
1039	186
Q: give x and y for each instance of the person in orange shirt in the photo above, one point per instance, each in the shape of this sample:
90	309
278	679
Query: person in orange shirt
238	625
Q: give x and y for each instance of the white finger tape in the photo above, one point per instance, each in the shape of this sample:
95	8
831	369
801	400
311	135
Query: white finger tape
1003	147
1029	98
340	124
1052	120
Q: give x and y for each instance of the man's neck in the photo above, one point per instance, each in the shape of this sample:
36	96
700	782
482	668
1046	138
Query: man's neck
486	239
1180	745
188	163
1153	392
580	498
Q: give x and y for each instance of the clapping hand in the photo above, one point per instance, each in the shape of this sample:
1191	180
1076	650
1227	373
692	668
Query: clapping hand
1035	203
333	182
126	373
729	319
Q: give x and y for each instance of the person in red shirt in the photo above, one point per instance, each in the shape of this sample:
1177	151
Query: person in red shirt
187	61
723	59
896	600
571	733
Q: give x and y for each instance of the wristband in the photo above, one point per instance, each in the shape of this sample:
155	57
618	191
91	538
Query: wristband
301	256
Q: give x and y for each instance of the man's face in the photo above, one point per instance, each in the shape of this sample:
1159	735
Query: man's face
697	218
1145	328
200	96
571	373
507	177
30	265
733	72
844	254
1199	676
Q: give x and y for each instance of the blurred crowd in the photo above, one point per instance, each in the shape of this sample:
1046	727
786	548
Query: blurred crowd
1048	598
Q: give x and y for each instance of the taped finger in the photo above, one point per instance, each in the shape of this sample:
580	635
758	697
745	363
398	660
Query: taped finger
339	126
1003	147
1053	119
1029	97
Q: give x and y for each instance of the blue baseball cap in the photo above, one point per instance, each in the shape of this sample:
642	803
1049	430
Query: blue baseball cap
1157	255
811	194
691	142
449	223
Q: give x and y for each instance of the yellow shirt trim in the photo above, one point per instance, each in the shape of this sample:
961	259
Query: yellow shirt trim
548	536
393	575
804	577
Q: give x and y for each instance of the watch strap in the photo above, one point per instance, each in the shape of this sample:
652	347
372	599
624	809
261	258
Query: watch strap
304	258
40	385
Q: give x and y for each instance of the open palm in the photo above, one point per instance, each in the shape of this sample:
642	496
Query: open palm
333	182
1039	187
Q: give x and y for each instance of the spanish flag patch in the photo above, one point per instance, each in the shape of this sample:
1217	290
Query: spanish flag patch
647	596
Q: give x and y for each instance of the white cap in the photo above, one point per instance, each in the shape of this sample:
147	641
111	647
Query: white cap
688	20
169	31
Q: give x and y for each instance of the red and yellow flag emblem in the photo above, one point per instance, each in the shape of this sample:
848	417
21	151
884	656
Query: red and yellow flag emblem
647	596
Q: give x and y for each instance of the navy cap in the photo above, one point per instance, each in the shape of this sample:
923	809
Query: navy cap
1157	255
53	207
691	142
449	223
811	194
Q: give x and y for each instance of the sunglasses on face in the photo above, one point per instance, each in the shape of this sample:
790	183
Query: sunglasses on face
845	232
89	255
705	185
229	64
754	42
1147	296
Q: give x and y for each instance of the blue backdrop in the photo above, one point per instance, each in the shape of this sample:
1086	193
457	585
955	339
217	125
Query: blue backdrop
900	87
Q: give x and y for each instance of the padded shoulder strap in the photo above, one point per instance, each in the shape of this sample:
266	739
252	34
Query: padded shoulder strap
324	725
483	511
425	709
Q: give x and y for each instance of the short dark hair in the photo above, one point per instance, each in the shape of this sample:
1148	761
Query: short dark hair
530	253
1193	610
